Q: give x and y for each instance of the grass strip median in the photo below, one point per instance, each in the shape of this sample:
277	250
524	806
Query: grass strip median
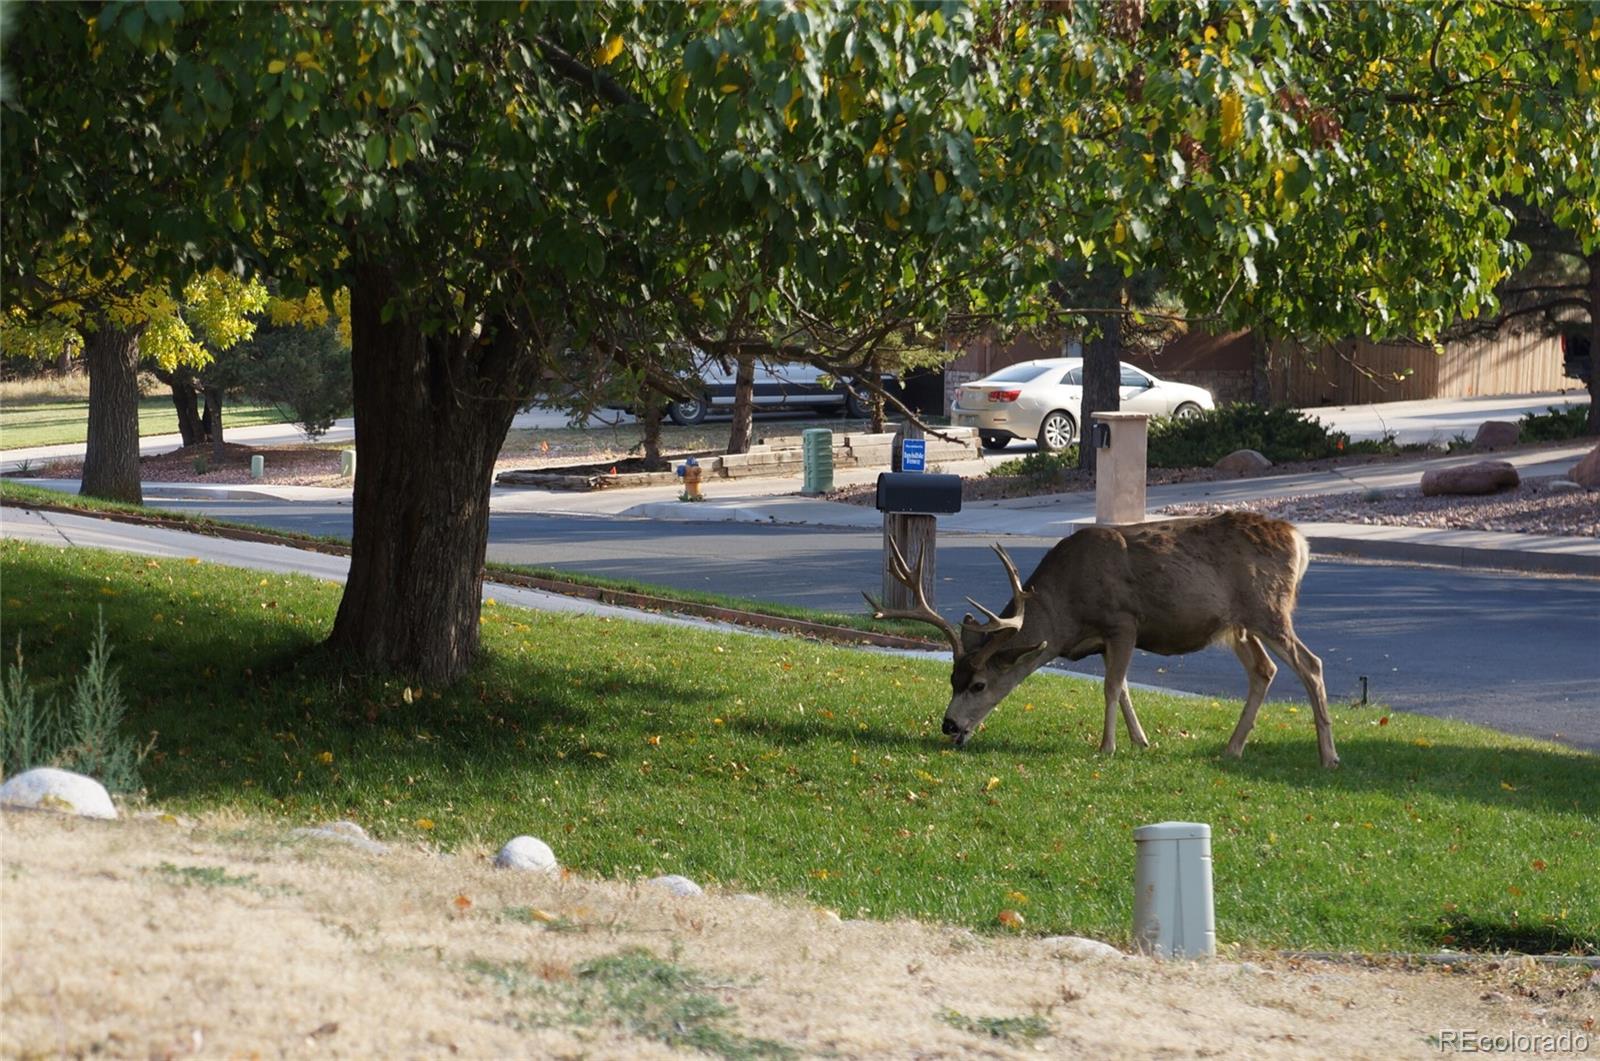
788	766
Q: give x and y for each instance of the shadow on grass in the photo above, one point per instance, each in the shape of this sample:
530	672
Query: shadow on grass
242	692
1460	931
1547	778
842	731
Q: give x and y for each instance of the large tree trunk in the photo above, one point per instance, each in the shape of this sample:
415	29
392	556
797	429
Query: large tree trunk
1102	382
431	414
111	459
1592	426
744	405
650	421
875	368
214	423
180	384
1260	367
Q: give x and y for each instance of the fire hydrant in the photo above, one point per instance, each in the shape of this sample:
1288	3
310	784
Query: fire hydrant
689	472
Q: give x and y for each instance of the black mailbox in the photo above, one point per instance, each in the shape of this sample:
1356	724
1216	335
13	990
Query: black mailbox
918	492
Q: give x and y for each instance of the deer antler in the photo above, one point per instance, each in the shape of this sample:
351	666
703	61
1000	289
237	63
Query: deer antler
1019	598
911	578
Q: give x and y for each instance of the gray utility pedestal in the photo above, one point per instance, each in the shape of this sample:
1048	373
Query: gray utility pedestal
1119	467
1173	915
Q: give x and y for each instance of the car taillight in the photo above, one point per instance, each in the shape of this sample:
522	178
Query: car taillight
1004	396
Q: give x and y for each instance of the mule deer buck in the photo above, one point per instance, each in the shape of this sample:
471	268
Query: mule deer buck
1169	587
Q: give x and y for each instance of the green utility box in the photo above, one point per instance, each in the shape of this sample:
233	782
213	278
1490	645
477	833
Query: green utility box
816	451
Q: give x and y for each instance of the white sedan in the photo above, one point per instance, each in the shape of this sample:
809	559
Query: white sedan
1041	400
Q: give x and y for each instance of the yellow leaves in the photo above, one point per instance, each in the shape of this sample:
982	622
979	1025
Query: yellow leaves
425	824
728	90
654	741
1232	119
1507	786
325	758
819	874
1025	86
1120	233
609	51
1017	898
893	225
1011	919
611	199
939	182
680	86
991	784
277	66
1423	742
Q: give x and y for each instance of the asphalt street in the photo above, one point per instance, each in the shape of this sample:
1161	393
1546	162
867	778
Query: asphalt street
1516	652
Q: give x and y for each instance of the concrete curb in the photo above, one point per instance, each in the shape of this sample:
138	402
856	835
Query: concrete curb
1465	556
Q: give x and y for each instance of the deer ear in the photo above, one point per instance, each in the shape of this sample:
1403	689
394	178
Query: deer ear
1028	655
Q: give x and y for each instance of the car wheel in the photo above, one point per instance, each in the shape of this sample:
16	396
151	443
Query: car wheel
994	441
687	413
1056	431
857	408
1187	411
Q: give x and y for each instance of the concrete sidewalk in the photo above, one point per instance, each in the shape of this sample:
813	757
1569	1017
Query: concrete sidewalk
1051	516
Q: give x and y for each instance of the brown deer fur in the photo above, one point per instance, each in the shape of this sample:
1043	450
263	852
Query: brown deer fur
1168	587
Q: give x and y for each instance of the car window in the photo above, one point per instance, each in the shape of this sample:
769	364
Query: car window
1073	377
1017	374
1132	377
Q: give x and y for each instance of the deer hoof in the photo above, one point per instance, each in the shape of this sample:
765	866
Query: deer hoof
1108	747
1233	753
1330	762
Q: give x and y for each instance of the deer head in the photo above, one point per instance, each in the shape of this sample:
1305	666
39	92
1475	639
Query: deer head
992	656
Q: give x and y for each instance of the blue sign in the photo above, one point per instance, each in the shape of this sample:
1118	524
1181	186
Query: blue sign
914	455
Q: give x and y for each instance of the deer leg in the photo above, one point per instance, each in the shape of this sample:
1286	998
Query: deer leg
1259	669
1135	731
1118	655
1304	662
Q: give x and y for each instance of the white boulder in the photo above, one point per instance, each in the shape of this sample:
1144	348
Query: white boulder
527	853
1081	948
47	788
677	885
345	832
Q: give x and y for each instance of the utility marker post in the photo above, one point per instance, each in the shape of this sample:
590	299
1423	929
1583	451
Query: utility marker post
1119	467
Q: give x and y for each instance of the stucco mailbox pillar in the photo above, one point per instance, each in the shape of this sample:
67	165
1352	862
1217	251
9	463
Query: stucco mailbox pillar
1122	439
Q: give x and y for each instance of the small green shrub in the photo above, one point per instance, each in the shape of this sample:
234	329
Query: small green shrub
1278	434
202	464
1556	425
1040	469
83	734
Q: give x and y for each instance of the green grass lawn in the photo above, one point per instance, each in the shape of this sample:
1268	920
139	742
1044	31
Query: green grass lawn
53	421
790	767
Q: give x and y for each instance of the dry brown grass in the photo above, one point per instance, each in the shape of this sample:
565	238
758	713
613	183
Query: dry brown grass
155	938
74	386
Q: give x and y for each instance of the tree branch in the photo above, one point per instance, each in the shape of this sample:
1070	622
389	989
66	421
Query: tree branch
580	73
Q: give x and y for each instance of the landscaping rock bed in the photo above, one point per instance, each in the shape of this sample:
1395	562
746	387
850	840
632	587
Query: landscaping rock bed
1537	506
